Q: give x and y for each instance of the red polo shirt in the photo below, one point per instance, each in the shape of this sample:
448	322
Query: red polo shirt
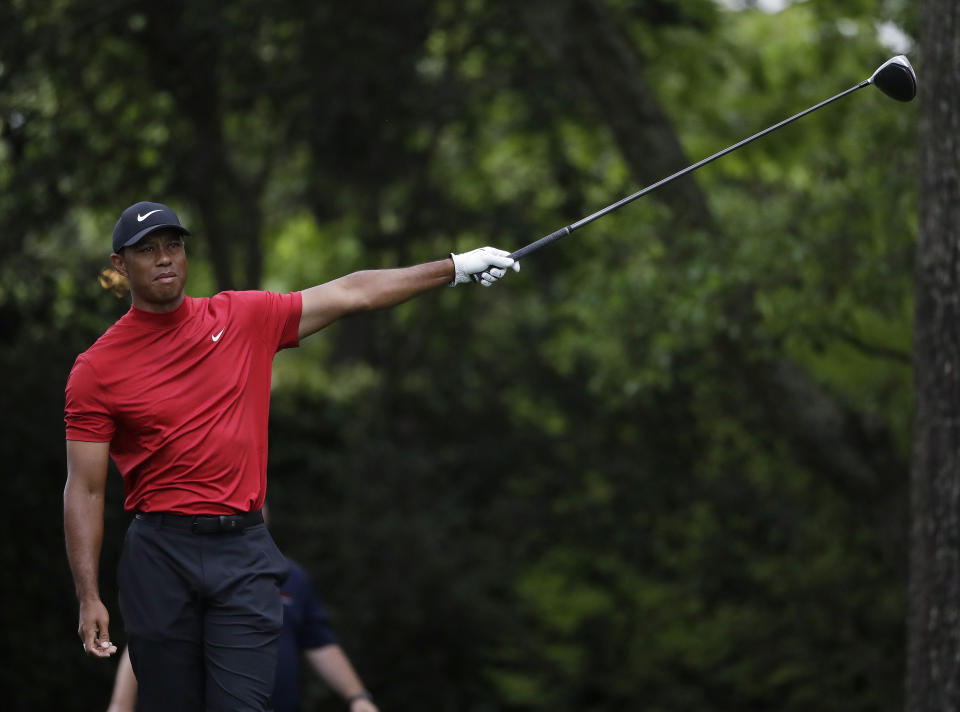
183	398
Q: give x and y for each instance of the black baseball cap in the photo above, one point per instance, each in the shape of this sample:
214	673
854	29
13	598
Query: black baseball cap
140	219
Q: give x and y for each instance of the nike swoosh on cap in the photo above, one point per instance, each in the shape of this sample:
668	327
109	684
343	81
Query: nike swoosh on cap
141	218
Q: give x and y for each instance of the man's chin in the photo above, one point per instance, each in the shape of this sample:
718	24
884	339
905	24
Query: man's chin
173	290
165	295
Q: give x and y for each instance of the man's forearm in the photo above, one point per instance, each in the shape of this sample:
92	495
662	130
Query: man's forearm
124	697
83	498
83	532
367	290
388	287
332	664
382	288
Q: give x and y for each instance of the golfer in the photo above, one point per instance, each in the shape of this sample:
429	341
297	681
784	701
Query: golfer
177	393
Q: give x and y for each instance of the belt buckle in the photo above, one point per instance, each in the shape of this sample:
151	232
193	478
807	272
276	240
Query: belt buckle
202	525
210	524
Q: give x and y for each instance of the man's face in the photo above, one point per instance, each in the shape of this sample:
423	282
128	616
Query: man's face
156	268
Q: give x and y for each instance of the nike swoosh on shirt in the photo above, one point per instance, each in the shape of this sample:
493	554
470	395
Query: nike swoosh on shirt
216	337
141	218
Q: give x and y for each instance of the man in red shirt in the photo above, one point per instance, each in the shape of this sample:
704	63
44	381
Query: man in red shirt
177	392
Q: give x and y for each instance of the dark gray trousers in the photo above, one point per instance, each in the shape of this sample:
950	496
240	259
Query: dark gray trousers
202	614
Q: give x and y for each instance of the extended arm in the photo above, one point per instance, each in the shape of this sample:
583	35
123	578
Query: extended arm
332	664
368	290
83	498
382	288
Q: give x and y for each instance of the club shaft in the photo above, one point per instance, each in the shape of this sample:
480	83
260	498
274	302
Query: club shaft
547	239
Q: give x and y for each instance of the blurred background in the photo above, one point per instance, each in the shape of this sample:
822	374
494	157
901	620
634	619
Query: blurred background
664	467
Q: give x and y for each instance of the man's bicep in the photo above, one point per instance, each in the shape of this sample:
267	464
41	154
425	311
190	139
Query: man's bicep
87	465
325	303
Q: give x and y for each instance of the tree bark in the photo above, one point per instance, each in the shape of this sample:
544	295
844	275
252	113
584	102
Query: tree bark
933	621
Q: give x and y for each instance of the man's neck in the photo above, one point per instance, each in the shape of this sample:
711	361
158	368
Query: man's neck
156	307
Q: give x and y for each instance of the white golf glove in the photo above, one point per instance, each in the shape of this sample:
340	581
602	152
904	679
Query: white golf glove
484	265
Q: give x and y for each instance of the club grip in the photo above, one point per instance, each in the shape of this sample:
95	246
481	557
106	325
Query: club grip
542	242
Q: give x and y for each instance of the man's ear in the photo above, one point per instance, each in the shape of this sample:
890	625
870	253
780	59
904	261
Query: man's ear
118	263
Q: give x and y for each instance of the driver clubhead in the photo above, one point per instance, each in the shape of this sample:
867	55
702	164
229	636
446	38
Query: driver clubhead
896	79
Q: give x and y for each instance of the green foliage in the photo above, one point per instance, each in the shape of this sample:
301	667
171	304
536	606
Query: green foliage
661	468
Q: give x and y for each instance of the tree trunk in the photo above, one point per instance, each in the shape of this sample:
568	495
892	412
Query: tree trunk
188	61
594	52
933	623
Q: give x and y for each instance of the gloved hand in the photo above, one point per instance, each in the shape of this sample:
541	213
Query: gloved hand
484	265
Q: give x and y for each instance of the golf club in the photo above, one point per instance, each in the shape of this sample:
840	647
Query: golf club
895	78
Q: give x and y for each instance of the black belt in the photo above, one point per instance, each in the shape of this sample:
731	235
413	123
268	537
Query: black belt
202	523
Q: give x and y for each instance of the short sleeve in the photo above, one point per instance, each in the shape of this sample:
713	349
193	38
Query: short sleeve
276	317
289	308
86	415
316	631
